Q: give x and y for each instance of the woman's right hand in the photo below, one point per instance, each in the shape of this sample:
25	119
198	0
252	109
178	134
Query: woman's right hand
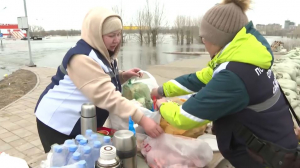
151	127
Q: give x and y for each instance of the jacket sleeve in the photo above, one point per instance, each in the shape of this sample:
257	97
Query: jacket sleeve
225	94
186	84
96	85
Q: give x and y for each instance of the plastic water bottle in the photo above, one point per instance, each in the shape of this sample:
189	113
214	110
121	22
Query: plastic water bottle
131	125
96	150
93	138
87	156
82	143
69	142
88	133
82	164
75	158
58	157
72	149
78	138
107	140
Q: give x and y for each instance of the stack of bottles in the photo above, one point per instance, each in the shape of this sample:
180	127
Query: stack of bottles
81	152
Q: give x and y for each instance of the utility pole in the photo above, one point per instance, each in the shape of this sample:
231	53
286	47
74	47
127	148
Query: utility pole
1	35
31	64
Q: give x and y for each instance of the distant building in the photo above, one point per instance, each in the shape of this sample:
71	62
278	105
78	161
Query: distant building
288	25
268	29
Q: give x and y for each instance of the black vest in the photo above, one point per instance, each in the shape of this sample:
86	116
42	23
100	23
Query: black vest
267	116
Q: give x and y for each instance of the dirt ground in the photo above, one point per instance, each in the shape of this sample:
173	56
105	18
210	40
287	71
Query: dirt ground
15	86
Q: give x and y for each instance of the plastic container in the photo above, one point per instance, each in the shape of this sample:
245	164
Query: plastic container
106	140
78	138
88	133
75	158
88	157
131	125
82	164
96	150
72	150
58	157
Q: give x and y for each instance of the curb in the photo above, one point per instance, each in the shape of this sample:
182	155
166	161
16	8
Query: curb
36	85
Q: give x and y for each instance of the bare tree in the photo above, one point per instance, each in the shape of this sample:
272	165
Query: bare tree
36	30
141	24
155	20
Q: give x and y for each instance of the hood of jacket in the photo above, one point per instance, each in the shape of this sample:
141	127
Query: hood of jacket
91	31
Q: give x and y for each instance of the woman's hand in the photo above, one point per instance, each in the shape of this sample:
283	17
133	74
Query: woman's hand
151	127
131	73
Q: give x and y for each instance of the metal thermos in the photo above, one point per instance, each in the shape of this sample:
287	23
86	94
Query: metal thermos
125	143
88	117
108	158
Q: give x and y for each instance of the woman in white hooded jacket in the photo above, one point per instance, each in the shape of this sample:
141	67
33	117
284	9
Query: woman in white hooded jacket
88	73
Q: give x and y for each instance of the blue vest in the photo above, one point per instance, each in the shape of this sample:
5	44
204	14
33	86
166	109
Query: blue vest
60	104
267	116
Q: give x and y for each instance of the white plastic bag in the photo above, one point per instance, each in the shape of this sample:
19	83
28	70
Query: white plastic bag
7	161
168	150
119	123
150	82
288	84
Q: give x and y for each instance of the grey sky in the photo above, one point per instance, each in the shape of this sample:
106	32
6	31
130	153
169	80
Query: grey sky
68	14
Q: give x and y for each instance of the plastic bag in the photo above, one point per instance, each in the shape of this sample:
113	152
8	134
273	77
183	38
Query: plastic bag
119	123
167	150
139	89
288	84
168	128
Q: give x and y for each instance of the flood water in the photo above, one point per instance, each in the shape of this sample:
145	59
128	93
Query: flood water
49	53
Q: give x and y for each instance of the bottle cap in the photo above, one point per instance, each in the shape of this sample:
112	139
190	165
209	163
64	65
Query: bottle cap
57	148
76	156
106	139
108	152
87	150
97	144
79	137
72	148
83	142
94	136
88	132
82	164
69	142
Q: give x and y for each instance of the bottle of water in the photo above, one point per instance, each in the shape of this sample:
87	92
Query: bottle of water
58	157
93	138
96	150
107	140
82	164
75	158
87	156
88	133
66	145
72	150
78	138
82	143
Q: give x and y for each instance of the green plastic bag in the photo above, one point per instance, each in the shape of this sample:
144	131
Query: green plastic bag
138	91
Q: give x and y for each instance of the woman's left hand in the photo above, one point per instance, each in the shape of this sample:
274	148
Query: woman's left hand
132	73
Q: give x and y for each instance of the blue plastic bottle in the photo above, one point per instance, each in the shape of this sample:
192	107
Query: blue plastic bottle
72	150
75	158
131	127
88	133
87	156
96	150
107	140
93	138
58	157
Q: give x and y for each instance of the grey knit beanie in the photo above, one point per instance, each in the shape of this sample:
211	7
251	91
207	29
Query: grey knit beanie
222	22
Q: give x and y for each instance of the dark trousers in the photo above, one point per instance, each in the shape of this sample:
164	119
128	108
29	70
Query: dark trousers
49	136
